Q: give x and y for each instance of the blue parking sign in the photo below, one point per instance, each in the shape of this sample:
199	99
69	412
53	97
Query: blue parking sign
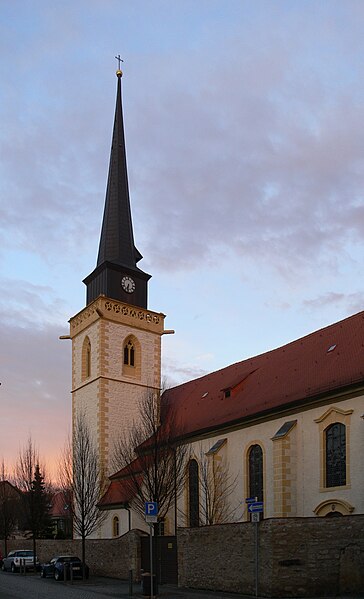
151	508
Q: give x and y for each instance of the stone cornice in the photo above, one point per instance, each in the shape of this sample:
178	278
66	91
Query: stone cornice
104	308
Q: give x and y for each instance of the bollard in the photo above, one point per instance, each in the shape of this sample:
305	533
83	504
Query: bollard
71	573
130	583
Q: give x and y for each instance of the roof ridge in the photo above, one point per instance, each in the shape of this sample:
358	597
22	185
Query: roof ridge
265	353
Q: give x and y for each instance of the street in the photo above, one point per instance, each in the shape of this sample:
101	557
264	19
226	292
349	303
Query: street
16	586
31	586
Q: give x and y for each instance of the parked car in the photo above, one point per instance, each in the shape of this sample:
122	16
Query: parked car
55	567
18	558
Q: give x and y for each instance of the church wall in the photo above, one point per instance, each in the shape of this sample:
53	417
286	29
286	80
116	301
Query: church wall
293	466
87	390
136	522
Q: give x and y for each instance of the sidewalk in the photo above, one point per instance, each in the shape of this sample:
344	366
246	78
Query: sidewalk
112	587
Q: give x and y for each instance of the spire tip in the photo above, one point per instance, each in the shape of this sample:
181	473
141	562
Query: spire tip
119	73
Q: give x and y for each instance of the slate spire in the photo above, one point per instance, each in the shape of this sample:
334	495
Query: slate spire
117	239
116	274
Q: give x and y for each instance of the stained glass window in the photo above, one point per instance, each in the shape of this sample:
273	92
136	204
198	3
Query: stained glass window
193	492
256	472
336	455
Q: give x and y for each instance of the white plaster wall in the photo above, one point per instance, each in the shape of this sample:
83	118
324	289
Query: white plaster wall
308	458
106	529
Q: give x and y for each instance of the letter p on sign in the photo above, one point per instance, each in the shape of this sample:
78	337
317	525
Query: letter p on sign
151	508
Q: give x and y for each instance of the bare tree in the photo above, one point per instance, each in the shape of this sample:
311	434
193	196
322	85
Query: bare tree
80	475
9	506
216	485
151	462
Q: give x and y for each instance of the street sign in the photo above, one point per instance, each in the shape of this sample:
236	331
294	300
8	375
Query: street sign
257	506
151	508
255	516
251	499
151	519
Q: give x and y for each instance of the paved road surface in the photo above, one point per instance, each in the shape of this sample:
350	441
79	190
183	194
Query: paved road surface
16	586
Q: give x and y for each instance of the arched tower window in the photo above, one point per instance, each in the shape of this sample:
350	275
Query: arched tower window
131	357
129	354
255	469
193	494
115	526
86	358
335	445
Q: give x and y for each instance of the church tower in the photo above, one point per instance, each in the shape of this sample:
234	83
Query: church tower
116	340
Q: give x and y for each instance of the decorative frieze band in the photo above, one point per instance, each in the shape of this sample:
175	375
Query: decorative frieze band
132	312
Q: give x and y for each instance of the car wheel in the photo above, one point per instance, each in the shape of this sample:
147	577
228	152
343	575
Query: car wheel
56	575
3	568
13	568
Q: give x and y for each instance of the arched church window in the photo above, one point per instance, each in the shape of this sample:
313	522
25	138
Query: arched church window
115	526
132	357
335	441
86	358
255	469
193	494
129	354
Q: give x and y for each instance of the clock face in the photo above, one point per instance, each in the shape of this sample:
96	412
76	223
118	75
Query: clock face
128	284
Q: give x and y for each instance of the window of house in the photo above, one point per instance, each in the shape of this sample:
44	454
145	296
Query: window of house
335	442
115	526
255	469
193	494
161	527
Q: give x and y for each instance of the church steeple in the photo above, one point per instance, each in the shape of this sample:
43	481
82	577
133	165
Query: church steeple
116	274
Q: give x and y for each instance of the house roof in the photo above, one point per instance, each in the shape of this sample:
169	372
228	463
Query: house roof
119	493
60	505
327	360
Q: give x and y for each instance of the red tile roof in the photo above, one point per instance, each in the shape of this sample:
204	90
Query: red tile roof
327	360
60	505
118	493
296	372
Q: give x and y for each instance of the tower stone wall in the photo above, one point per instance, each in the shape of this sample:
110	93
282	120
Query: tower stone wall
108	394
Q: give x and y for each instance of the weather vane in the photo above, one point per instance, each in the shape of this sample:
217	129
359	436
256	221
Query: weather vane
119	59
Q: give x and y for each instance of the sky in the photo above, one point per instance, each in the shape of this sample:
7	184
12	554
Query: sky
244	124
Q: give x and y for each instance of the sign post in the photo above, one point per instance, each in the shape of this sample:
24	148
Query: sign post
255	508
151	516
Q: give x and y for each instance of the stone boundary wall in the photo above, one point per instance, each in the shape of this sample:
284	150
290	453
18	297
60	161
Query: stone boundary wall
105	557
298	557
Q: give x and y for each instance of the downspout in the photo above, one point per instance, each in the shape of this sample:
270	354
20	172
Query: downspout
129	517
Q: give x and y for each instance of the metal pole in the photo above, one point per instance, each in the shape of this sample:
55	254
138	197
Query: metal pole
151	559
256	556
130	583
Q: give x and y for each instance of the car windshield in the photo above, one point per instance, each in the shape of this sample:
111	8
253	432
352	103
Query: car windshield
72	559
25	553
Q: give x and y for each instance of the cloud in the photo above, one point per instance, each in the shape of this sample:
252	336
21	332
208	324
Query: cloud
352	302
